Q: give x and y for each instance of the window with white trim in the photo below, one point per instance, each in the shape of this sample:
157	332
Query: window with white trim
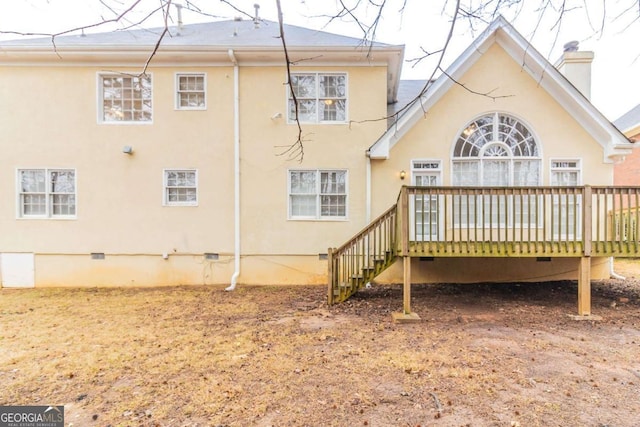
47	193
322	97
125	98
180	187
317	194
565	172
190	91
427	217
567	207
495	149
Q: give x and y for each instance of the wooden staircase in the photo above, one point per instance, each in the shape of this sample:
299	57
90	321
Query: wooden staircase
581	222
363	257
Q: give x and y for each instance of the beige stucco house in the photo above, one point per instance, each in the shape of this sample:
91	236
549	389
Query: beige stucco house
182	174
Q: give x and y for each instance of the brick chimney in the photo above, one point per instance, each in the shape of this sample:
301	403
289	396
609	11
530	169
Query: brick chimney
576	67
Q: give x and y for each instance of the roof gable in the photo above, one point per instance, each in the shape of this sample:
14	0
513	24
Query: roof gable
500	32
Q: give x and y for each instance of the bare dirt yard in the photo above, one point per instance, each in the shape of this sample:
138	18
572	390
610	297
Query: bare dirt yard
483	355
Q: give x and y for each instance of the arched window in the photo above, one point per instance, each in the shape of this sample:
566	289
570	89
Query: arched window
496	150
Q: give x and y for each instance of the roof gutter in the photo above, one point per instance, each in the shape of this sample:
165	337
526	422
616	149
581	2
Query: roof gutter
236	171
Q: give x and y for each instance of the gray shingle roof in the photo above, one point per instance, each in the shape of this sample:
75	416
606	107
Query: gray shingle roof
408	90
628	120
231	34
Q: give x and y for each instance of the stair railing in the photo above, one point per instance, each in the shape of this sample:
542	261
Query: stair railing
365	255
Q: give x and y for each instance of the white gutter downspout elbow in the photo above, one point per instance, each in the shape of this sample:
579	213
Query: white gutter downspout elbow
236	172
612	273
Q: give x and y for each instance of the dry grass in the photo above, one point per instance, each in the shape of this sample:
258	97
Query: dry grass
485	355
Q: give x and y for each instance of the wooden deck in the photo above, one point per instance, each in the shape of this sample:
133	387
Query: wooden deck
543	222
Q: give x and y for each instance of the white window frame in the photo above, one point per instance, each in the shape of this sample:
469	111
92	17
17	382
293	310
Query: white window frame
577	168
559	201
433	169
318	215
482	159
291	118
165	187
100	97
49	195
179	92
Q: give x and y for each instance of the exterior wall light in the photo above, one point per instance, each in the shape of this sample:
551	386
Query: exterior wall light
403	174
127	149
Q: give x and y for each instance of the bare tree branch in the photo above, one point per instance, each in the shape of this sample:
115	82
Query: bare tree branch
368	17
232	6
418	98
165	30
83	27
295	150
426	54
465	87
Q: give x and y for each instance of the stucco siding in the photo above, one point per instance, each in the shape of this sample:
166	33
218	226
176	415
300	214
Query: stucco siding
516	93
500	270
49	118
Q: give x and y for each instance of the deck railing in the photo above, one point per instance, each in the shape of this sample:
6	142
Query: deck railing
363	257
580	221
519	221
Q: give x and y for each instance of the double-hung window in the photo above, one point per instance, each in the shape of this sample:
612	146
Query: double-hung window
190	91
180	187
566	205
125	98
322	97
426	221
318	194
47	193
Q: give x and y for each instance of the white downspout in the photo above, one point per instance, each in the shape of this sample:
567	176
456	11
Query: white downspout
367	208
612	273
236	171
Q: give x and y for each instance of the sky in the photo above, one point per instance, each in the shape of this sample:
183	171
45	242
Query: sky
420	25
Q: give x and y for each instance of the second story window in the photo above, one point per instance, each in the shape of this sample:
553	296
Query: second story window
322	97
125	98
190	91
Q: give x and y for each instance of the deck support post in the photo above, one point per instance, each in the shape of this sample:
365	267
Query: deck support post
406	285
584	286
406	316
